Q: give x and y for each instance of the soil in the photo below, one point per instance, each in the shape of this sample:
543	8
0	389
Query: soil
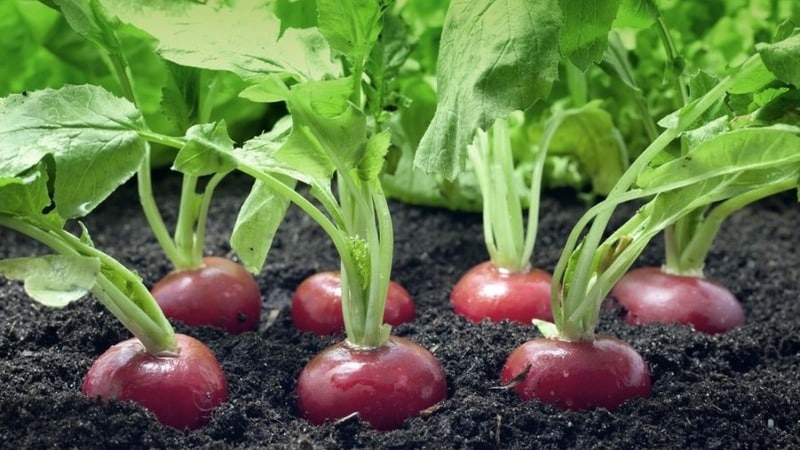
737	390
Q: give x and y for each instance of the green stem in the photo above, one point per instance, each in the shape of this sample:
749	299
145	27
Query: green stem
576	82
476	156
353	290
537	173
116	58
202	215
185	239
617	55
155	339
503	221
677	234
376	333
151	212
672	59
513	225
207	100
359	219
695	252
158	138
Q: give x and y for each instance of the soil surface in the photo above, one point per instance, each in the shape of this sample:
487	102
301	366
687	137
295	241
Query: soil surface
738	390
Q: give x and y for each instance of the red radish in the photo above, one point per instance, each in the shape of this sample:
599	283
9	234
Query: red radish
488	292
506	287
221	293
650	294
317	304
385	385
181	390
600	372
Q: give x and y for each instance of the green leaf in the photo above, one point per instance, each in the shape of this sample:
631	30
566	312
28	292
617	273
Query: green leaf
496	56
783	59
266	90
26	197
296	14
759	78
261	152
584	34
351	27
256	224
383	67
207	150
53	53
636	14
588	134
53	280
328	132
91	134
371	164
242	37
742	156
89	19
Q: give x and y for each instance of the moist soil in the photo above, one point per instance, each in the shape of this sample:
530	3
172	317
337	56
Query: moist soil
737	390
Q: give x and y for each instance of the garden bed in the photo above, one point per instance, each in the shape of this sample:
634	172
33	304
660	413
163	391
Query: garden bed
738	390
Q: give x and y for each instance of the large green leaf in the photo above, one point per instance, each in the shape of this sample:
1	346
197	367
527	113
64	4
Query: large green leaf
91	134
584	33
351	27
496	56
783	59
588	134
322	112
53	280
243	37
257	222
747	154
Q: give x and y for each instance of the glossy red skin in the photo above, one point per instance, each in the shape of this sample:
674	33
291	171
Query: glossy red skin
180	390
650	295
486	292
317	305
578	375
384	385
221	294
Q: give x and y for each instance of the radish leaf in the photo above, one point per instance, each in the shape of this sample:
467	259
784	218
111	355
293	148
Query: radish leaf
53	280
199	35
495	57
90	133
584	34
783	59
207	150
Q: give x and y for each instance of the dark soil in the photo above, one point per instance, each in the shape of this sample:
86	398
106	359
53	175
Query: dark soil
738	390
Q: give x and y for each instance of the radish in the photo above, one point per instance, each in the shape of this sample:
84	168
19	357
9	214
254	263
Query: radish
571	367
220	293
506	287
343	380
488	292
317	304
181	390
601	372
211	291
651	294
174	376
